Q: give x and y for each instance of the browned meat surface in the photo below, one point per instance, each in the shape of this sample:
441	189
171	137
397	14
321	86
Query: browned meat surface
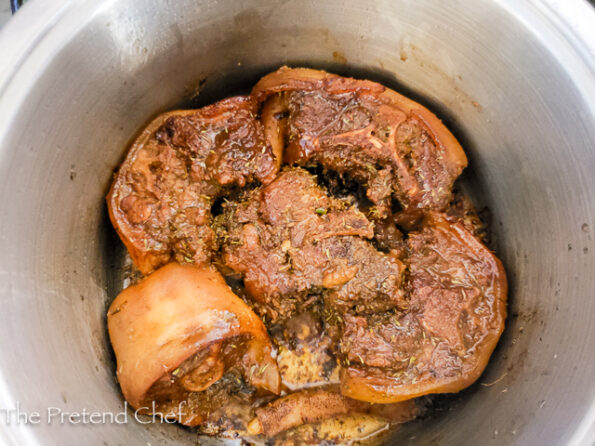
389	238
195	390
361	128
385	340
459	286
226	406
443	343
308	406
462	210
290	239
214	332
160	201
309	271
315	405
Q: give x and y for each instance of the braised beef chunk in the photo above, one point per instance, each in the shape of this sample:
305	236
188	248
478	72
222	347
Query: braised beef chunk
389	238
458	286
442	343
396	352
391	144
331	275
222	143
161	199
362	279
341	133
290	239
383	340
459	210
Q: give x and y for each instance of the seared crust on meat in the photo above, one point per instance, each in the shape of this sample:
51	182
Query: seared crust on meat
171	335
357	127
160	201
312	406
289	239
443	343
318	211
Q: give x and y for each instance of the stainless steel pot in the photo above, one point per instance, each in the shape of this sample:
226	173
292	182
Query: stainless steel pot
513	79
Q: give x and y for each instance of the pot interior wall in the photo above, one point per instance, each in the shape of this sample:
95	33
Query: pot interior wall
102	72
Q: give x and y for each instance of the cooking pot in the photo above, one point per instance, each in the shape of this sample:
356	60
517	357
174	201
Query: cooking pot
513	79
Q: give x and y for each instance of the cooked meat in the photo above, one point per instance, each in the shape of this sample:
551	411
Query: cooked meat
308	269
226	406
389	238
308	406
382	340
313	406
462	210
274	119
160	201
459	287
443	343
213	332
362	129
290	239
